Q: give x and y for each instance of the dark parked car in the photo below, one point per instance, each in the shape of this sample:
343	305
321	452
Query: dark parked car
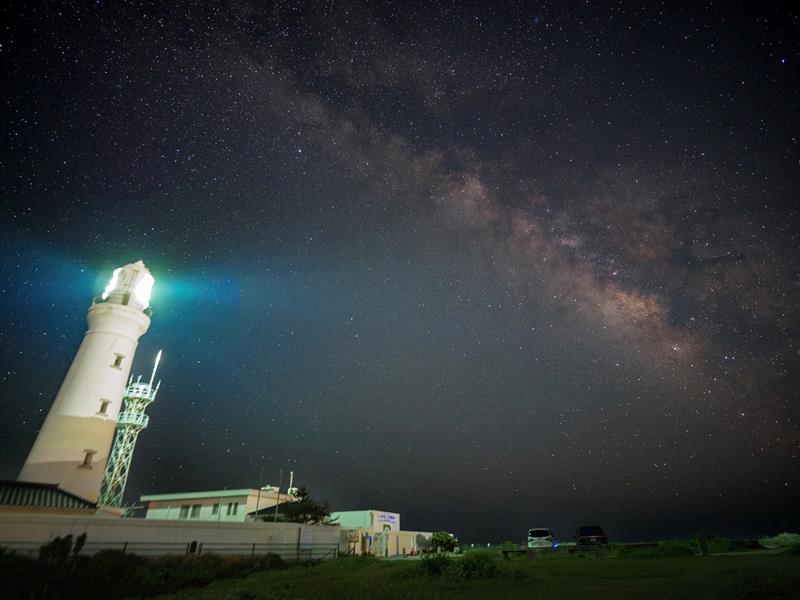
590	535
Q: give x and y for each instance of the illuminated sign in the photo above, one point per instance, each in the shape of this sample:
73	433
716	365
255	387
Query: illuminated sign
386	518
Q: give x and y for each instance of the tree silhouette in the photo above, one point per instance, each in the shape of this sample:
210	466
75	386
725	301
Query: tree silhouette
304	509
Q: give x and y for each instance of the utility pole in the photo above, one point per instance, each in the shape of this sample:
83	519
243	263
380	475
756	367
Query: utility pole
278	501
260	480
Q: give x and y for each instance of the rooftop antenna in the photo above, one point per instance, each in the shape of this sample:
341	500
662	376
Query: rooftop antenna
155	366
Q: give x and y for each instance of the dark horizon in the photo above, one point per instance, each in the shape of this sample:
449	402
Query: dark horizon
489	267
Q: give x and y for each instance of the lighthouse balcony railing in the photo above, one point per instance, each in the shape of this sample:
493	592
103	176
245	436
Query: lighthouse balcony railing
100	300
133	418
139	390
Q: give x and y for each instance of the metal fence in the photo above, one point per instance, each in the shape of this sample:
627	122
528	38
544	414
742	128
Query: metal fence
288	552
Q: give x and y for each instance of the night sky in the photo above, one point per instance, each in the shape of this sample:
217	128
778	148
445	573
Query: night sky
488	265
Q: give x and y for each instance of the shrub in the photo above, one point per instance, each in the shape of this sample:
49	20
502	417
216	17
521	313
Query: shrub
434	564
357	561
111	574
114	570
475	565
782	540
242	595
63	570
792	550
712	543
61	551
445	541
17	572
758	586
669	548
268	562
168	574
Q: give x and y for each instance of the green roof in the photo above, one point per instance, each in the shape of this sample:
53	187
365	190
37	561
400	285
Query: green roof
28	493
196	495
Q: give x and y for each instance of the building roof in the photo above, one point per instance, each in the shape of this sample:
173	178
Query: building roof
196	495
366	510
29	493
269	511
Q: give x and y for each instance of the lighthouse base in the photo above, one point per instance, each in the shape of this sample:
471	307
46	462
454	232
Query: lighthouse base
55	459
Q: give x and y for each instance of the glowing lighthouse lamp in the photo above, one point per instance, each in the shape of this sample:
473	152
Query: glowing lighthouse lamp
74	443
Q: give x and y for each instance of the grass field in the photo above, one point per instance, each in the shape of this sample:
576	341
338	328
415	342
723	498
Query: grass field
759	576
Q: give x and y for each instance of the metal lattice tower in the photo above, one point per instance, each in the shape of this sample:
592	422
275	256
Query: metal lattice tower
131	421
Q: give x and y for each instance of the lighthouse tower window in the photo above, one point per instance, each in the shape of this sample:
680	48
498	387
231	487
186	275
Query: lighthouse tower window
118	361
103	406
88	457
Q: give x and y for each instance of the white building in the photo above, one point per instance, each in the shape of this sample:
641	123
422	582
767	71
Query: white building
74	443
378	532
369	520
375	532
213	505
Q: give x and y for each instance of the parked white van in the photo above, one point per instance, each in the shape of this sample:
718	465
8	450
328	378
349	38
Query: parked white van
539	537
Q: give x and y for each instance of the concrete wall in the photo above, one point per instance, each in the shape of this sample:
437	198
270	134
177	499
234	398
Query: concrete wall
384	544
149	536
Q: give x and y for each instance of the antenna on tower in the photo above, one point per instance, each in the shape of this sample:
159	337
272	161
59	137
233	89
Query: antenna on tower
131	421
155	366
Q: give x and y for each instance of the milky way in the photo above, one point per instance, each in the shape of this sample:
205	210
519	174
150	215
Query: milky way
489	267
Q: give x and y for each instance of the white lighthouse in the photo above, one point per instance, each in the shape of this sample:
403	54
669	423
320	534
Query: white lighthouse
74	443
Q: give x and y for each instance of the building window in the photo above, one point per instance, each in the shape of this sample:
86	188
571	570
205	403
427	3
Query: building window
117	361
103	406
235	507
215	509
184	512
195	511
230	508
88	457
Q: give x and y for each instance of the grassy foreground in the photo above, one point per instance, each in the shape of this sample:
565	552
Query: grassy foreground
487	576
